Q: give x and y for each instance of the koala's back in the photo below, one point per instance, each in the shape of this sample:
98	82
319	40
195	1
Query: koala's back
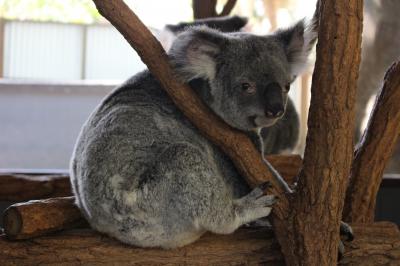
119	147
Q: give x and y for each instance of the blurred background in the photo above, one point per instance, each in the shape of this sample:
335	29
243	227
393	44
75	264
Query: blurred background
59	58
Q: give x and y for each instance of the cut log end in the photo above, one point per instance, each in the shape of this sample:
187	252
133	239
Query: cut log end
12	221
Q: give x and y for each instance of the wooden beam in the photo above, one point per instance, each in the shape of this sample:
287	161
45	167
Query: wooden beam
375	244
17	187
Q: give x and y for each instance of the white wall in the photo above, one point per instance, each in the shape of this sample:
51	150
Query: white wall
57	51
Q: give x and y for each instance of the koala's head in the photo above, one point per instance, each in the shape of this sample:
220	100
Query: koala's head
244	78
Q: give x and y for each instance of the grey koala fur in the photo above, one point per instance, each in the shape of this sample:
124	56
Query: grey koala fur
143	174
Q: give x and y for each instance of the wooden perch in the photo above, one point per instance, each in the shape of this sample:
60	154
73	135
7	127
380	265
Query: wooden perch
374	150
375	244
37	217
16	187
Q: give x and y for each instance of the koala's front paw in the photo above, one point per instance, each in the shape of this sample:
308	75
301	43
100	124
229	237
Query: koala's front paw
254	205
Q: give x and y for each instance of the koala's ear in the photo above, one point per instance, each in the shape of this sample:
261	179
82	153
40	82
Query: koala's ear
298	42
194	53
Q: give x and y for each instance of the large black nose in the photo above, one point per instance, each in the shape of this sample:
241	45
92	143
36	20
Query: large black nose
274	111
274	107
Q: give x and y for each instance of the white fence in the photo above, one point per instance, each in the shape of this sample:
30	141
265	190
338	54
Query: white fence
42	50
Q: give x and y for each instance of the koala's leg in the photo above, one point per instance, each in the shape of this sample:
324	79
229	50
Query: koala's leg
241	211
188	196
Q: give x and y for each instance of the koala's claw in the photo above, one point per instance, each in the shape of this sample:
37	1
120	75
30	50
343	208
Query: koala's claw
265	185
347	231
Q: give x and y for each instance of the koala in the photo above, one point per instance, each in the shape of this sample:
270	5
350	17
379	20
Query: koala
142	173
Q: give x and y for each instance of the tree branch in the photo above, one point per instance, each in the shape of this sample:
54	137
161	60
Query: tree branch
374	151
233	142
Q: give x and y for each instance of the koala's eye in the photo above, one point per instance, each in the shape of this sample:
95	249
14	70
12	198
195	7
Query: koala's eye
248	88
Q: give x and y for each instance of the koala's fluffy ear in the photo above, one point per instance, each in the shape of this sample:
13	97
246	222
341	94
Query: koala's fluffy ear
194	53
298	42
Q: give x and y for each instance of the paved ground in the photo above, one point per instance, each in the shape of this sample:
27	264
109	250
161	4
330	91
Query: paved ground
38	127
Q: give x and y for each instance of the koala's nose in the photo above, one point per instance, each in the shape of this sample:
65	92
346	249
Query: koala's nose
274	111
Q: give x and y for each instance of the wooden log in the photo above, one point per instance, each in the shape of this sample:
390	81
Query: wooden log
374	151
40	217
18	187
375	244
37	217
22	187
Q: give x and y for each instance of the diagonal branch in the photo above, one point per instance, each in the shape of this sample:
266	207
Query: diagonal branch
233	142
374	151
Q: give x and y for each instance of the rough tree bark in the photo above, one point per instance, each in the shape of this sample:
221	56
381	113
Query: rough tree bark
313	227
38	217
376	244
374	151
308	230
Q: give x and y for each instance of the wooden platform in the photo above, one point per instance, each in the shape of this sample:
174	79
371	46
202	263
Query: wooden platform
375	244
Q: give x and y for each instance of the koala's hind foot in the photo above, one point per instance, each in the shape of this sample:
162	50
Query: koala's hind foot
254	205
249	208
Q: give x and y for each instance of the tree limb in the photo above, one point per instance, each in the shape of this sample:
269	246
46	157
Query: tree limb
374	150
233	142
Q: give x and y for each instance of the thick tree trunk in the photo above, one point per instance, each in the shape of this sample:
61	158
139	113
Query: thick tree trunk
313	225
374	151
376	244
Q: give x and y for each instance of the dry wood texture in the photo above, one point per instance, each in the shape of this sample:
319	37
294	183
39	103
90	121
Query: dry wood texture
375	244
374	150
37	217
16	187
